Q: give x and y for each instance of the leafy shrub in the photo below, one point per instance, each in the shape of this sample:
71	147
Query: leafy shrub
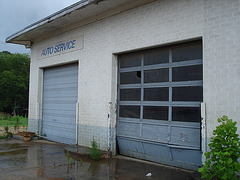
94	152
222	160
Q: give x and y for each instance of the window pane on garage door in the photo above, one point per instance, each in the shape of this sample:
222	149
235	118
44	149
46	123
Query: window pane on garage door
130	94
130	77
186	52
155	112
130	60
156	94
156	75
187	114
129	111
156	56
189	93
187	73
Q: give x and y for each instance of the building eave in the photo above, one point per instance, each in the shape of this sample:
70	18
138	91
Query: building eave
21	37
74	15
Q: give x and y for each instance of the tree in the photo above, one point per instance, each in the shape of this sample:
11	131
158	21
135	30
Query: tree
14	81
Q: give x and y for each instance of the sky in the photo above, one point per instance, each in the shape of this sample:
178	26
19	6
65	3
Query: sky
17	14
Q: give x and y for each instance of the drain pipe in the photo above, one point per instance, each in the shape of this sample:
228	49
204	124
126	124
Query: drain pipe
77	117
204	130
109	126
38	123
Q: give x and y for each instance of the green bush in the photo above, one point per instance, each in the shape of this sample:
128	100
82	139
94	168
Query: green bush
94	152
222	160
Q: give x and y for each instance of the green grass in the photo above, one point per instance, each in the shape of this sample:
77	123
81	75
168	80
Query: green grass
11	121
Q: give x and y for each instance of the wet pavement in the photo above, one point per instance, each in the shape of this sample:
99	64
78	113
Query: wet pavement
46	160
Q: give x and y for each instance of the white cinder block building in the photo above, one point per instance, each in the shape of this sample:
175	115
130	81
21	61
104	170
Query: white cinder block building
146	78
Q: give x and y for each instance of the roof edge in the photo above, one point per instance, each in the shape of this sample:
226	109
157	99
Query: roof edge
60	13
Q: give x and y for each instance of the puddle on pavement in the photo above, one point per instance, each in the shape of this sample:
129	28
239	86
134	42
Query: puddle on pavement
47	161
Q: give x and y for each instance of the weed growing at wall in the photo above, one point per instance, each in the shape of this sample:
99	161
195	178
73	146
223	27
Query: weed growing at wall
69	158
222	160
6	129
94	152
16	119
7	121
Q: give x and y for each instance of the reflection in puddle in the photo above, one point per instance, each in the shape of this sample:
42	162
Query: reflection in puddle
94	168
43	160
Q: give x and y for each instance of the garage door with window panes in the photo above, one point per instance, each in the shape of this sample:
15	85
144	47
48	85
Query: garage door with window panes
159	95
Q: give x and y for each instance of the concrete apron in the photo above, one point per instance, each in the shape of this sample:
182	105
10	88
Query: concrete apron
40	159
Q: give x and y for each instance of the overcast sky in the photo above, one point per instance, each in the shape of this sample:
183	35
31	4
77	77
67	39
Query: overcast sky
17	14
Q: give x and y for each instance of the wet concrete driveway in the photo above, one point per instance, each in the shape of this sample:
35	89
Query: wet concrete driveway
44	160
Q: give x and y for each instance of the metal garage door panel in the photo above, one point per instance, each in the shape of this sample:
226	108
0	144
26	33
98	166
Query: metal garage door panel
60	113
62	86
60	90
189	156
130	147
156	149
49	120
59	80
58	127
129	129
59	100
155	132
61	71
62	107
185	136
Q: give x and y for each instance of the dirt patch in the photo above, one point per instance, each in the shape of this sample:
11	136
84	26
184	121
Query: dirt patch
12	130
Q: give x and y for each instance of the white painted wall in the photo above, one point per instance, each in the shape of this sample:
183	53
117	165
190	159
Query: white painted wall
162	22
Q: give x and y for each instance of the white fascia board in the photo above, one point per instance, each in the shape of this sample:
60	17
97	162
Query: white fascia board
67	10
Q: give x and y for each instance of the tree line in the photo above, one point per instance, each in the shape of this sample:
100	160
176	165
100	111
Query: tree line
14	82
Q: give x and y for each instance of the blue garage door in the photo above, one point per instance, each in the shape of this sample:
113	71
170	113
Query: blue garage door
159	95
60	91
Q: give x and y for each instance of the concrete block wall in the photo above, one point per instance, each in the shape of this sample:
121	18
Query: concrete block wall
221	53
155	24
